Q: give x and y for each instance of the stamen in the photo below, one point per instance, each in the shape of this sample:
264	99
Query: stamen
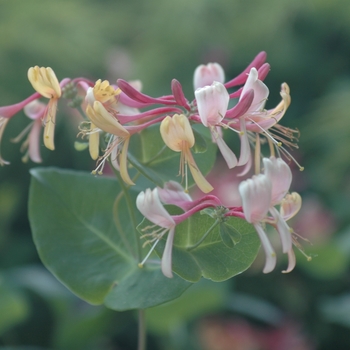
102	160
140	265
227	126
186	179
22	133
279	146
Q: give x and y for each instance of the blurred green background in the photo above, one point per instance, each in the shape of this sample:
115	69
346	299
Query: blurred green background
308	46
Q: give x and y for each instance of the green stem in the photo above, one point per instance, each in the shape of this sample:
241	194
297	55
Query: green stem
142	331
204	236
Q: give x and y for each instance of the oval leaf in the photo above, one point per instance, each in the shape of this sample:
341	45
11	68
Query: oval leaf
74	230
212	259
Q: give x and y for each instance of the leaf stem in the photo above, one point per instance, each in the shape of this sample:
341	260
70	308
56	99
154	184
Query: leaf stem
142	331
204	236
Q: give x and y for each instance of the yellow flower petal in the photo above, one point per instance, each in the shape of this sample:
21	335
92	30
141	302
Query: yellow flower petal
44	81
94	142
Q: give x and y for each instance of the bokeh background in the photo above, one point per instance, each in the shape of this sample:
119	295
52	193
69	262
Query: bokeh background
308	46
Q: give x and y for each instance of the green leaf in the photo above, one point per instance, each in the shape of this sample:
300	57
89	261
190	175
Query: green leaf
74	230
145	288
212	259
149	149
200	145
229	235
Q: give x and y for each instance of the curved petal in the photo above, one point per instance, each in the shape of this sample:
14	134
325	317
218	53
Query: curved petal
256	197
291	261
198	177
270	254
290	205
206	74
226	152
167	254
280	175
34	145
123	163
150	206
94	142
247	166
261	92
50	123
242	106
44	81
267	119
283	230
245	147
212	103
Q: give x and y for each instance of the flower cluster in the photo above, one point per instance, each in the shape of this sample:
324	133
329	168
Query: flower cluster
113	113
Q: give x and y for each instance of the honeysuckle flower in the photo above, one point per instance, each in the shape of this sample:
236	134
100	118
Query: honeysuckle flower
149	204
212	102
45	82
205	75
280	175
290	205
259	196
177	134
35	110
256	199
120	137
104	93
257	120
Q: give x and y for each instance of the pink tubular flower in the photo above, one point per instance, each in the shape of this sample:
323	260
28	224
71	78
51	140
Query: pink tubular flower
205	75
149	204
212	102
260	195
34	110
256	199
